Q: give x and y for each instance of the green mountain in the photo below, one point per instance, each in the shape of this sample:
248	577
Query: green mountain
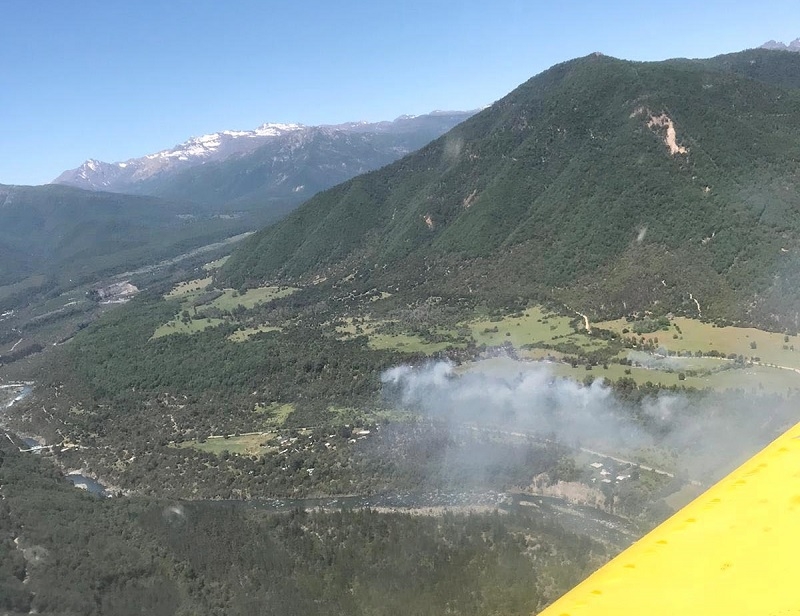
607	185
68	233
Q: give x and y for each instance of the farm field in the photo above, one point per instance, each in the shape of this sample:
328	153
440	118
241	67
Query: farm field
776	366
693	335
215	265
244	444
749	378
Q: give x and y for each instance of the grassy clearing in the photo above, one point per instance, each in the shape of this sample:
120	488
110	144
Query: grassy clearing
726	376
407	342
739	340
189	287
693	335
751	378
245	444
383	295
243	335
231	298
350	415
536	325
776	355
380	339
176	326
349	328
278	413
755	378
215	265
640	375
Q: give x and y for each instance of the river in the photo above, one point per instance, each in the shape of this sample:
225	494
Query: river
83	482
11	393
586	520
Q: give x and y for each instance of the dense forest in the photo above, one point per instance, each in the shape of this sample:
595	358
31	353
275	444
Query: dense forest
65	552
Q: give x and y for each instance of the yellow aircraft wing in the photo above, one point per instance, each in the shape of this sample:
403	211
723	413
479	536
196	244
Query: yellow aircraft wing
734	550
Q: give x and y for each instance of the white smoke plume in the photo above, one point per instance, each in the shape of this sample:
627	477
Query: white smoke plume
518	395
709	432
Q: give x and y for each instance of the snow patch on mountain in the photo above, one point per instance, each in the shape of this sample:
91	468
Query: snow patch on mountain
98	175
122	176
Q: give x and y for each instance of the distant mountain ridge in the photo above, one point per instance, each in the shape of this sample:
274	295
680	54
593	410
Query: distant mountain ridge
779	46
98	175
174	172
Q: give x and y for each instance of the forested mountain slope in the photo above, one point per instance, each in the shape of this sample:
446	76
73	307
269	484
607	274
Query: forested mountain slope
608	185
777	69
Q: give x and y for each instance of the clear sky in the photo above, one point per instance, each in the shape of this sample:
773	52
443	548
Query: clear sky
113	80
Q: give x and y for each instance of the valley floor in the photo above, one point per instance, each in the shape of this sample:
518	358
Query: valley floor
321	398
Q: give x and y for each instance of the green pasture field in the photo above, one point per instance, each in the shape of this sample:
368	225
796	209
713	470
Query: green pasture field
242	335
190	287
215	265
535	325
244	444
693	335
176	326
412	343
719	375
278	413
231	298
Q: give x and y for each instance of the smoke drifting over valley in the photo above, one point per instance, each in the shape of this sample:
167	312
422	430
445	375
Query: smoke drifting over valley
709	433
509	395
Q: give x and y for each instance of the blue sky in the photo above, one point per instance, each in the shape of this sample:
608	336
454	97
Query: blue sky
114	80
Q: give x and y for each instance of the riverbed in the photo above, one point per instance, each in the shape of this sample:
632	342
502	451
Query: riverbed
92	486
11	393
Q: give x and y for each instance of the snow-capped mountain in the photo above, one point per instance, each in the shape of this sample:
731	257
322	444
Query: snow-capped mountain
152	173
779	46
99	175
